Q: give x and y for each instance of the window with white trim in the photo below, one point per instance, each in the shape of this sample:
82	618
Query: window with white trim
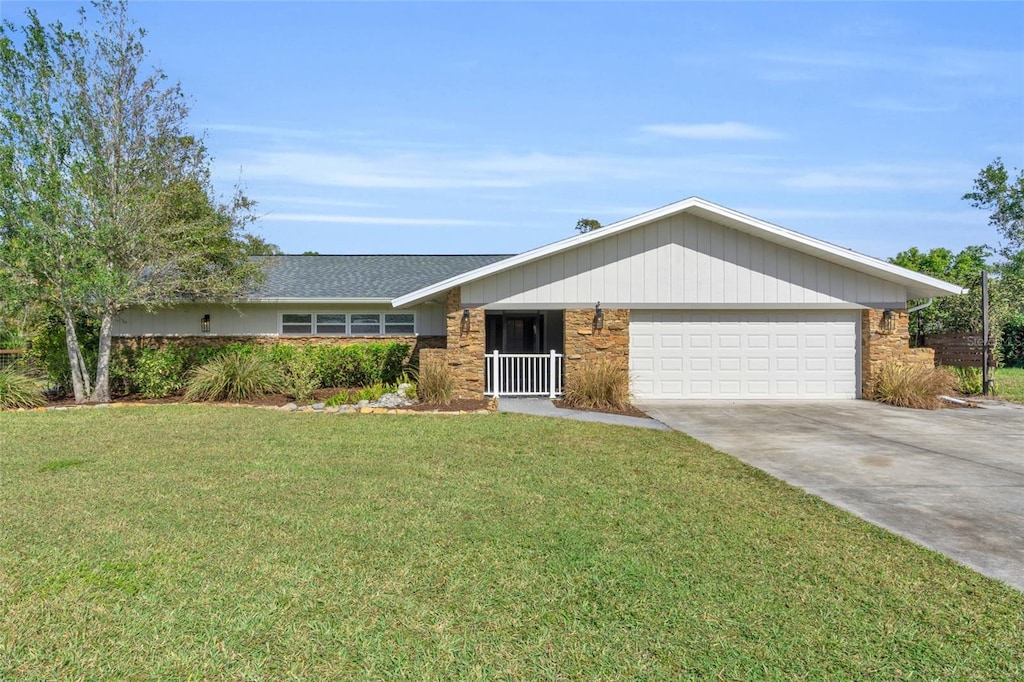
399	323
348	324
365	324
330	323
296	323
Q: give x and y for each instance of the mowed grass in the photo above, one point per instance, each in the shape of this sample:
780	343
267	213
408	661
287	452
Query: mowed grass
1010	383
211	543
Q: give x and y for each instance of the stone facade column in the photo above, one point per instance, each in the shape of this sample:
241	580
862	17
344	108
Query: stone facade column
883	342
584	344
465	347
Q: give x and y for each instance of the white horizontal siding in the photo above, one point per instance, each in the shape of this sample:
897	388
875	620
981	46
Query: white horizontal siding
682	259
253	319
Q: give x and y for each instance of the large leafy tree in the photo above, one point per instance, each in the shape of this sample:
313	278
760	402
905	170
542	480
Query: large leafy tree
1000	192
997	191
105	197
258	246
949	313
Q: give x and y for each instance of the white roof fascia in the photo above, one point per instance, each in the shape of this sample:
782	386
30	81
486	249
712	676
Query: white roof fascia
734	219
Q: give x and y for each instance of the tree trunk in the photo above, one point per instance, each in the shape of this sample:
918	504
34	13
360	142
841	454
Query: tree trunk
101	392
79	372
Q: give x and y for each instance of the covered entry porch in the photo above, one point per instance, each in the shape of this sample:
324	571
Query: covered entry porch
525	353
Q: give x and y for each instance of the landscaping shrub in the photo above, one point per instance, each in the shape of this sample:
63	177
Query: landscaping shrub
968	379
917	386
164	371
300	374
49	351
435	383
235	376
160	372
1011	346
152	372
18	389
341	398
598	385
361	364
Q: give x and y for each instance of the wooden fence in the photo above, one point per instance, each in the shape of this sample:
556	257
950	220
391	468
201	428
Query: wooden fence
959	350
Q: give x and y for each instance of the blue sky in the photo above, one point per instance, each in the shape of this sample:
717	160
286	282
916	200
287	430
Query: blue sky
420	127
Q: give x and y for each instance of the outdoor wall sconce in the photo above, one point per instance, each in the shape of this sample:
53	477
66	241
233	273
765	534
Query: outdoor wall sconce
598	317
464	327
888	321
204	324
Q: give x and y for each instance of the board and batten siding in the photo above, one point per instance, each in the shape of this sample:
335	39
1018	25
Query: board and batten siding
681	260
254	319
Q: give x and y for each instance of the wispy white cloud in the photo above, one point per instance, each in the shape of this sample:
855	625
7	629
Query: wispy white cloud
318	177
316	201
450	170
880	177
264	131
371	220
782	215
729	130
926	61
900	106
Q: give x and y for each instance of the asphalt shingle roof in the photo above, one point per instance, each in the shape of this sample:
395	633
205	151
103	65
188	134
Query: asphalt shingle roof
354	277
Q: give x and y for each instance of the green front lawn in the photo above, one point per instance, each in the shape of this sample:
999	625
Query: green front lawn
206	542
1010	383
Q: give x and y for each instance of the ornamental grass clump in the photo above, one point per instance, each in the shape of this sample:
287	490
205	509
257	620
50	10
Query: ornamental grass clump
235	376
18	389
968	379
435	383
598	385
916	386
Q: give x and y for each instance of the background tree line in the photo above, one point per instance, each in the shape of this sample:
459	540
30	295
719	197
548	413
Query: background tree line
995	190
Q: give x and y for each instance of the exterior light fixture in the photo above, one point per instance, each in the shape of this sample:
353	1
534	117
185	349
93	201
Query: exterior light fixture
464	327
204	324
598	317
888	321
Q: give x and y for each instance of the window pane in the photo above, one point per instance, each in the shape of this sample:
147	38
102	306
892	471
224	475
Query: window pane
296	323
330	323
399	323
365	323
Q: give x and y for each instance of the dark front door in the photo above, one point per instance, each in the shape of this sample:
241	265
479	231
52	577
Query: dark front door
515	333
522	334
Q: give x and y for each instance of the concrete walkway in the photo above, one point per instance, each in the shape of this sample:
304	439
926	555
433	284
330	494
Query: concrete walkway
951	480
543	407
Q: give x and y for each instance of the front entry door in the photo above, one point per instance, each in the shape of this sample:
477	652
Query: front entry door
522	334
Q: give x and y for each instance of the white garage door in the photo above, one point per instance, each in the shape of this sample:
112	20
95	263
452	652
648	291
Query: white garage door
743	354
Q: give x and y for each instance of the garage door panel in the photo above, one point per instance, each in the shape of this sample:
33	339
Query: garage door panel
744	354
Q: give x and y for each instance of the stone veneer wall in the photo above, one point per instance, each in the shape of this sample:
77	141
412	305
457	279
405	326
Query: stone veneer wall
879	346
465	350
584	344
417	343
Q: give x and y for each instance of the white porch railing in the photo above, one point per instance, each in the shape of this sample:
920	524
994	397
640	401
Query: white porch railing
524	374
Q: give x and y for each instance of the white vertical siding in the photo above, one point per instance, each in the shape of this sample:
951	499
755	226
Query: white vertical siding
253	319
682	259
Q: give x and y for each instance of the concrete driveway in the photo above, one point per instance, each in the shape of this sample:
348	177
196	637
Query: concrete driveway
951	479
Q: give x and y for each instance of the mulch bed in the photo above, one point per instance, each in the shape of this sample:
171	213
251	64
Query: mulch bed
628	411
